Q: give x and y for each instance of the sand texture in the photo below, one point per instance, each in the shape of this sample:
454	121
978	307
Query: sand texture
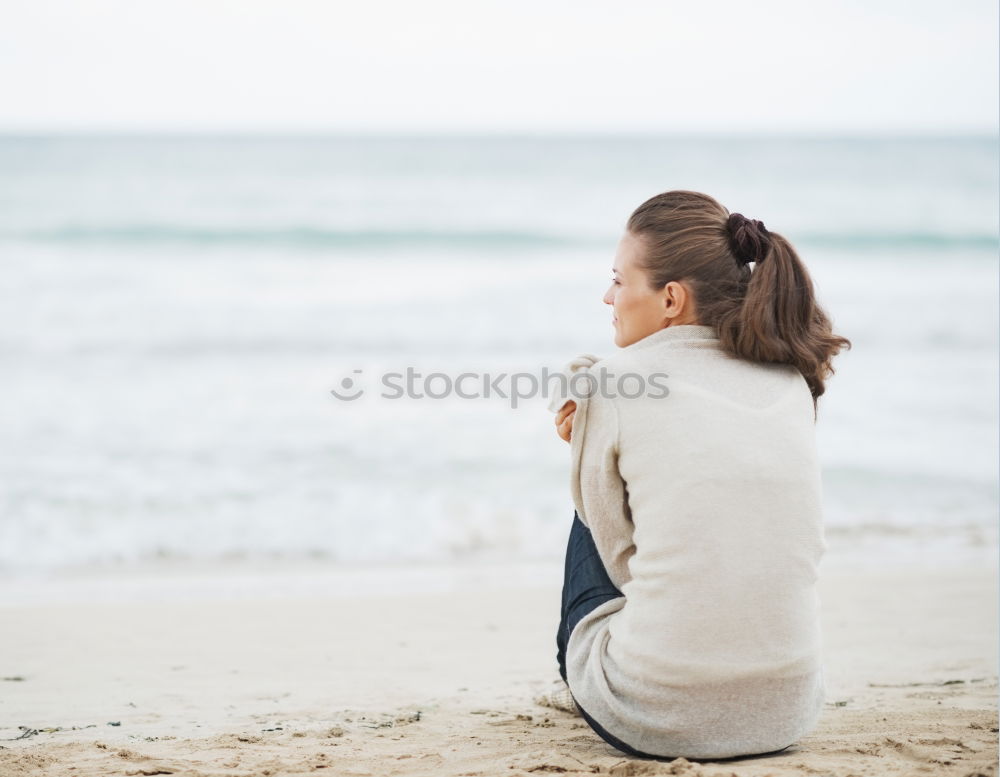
441	683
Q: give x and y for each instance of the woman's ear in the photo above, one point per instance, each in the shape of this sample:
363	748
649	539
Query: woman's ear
674	299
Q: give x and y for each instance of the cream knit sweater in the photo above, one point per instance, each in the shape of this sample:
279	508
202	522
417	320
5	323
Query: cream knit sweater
705	506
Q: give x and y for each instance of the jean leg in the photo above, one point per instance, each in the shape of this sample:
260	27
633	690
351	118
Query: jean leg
586	586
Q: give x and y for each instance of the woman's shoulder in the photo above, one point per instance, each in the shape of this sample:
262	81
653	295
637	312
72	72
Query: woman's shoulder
701	366
703	378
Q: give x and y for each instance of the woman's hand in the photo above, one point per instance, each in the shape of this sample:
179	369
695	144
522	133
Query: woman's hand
564	420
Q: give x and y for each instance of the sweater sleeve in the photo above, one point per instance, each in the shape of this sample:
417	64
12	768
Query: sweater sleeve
599	494
598	486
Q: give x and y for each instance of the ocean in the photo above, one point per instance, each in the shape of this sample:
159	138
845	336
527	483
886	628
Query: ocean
175	311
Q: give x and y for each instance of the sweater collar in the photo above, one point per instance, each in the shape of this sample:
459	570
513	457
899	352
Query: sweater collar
675	334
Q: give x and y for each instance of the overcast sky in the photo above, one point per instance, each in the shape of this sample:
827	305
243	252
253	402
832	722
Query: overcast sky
854	66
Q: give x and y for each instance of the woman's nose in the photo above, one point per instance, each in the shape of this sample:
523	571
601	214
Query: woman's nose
608	296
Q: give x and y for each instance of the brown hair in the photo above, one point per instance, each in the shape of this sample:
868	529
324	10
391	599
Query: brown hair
769	314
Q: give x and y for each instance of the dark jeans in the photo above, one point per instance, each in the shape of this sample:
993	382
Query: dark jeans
586	586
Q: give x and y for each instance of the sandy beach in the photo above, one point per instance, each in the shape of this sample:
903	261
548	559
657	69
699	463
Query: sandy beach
300	671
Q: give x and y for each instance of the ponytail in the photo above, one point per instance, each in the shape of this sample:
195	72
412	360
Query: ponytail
779	319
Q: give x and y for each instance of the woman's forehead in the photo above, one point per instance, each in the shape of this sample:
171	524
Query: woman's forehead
629	248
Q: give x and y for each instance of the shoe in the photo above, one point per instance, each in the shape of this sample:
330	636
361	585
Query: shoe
558	697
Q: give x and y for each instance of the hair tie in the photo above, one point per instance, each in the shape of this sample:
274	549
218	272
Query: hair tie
748	238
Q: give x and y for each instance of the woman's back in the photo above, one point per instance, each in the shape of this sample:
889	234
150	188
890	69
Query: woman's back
707	503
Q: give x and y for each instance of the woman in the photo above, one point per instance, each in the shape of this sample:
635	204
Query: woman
690	623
